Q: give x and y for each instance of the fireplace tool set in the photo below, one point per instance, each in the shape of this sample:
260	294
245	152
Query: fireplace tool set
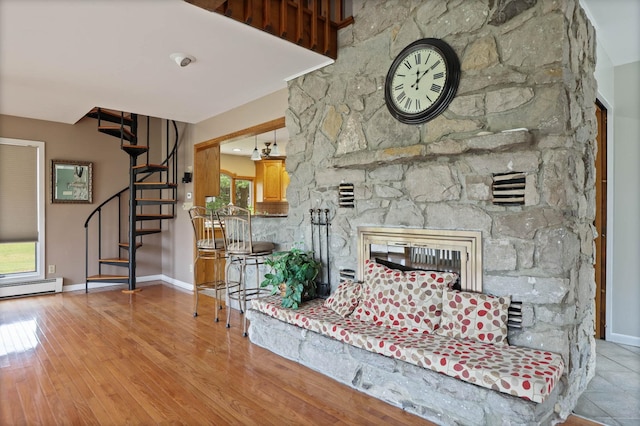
320	246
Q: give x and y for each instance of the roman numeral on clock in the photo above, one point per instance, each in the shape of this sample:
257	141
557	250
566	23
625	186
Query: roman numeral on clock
438	75
436	88
407	103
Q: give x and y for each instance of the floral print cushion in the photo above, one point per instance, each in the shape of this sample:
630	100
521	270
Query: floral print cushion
523	372
475	316
410	301
374	274
345	299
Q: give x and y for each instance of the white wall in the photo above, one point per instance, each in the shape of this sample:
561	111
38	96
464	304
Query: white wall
178	241
240	166
619	91
624	288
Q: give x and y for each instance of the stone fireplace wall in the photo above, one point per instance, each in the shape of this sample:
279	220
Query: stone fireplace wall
526	65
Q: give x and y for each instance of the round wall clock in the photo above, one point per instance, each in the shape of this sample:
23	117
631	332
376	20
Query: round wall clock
422	81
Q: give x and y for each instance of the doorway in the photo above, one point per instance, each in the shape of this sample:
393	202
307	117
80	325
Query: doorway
601	222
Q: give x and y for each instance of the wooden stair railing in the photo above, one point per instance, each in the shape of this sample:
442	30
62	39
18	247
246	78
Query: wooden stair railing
166	174
312	24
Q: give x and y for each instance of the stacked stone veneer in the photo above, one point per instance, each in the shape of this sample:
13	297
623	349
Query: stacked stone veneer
526	64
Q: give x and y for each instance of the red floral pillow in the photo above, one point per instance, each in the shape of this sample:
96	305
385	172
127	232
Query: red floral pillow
374	274
475	316
345	299
405	300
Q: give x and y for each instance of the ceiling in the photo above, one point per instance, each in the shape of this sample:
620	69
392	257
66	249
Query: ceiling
617	24
60	58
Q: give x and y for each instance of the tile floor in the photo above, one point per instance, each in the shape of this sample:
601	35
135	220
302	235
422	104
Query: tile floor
613	395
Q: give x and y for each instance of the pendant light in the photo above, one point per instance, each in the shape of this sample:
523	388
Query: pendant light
275	151
255	156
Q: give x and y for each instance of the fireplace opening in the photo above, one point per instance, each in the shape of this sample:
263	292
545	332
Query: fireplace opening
429	249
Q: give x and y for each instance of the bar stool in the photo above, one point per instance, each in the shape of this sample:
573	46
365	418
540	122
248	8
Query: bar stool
242	251
207	247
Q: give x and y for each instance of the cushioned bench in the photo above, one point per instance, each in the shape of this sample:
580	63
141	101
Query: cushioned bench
522	372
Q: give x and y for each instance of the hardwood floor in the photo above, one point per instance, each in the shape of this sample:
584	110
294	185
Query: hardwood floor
112	358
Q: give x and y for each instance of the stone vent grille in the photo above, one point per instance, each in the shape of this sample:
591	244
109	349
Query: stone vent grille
508	189
346	195
347	274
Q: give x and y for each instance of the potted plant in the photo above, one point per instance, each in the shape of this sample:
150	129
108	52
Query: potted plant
293	274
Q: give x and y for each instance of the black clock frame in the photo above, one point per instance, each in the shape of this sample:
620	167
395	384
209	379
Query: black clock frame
450	85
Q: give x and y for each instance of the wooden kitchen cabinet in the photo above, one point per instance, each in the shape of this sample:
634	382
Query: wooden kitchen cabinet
271	180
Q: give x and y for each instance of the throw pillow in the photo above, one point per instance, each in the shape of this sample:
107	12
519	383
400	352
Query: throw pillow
406	300
345	299
400	267
475	316
374	275
413	300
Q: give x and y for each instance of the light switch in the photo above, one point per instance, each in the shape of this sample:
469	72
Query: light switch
189	195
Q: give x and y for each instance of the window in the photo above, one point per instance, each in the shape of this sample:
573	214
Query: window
243	190
236	190
22	186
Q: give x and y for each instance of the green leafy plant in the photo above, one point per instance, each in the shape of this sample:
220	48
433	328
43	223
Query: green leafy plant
293	274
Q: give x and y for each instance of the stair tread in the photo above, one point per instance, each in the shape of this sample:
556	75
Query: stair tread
145	183
155	216
138	245
171	200
158	166
107	111
129	146
140	186
105	129
114	259
107	277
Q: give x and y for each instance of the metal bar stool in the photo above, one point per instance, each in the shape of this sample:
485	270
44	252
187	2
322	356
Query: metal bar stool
207	247
242	251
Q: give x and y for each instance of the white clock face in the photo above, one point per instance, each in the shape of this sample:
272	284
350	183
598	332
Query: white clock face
419	81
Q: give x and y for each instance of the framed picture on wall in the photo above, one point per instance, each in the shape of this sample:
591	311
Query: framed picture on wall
71	182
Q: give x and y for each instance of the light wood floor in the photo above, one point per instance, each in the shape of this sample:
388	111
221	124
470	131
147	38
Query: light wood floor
112	358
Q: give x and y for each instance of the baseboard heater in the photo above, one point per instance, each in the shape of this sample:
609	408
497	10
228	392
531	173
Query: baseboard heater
28	288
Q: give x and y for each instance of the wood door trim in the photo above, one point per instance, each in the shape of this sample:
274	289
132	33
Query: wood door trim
267	126
600	222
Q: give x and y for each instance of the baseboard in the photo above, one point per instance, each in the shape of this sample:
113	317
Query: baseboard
177	283
624	339
140	280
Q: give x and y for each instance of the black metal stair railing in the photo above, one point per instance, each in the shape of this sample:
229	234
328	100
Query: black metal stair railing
138	175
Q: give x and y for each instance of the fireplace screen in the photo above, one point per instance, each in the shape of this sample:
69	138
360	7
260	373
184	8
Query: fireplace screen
439	250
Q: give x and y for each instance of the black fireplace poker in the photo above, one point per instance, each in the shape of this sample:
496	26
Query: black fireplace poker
320	220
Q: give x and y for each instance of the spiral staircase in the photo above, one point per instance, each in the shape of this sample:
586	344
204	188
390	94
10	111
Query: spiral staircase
150	200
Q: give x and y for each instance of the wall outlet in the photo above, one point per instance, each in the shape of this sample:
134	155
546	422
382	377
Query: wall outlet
51	269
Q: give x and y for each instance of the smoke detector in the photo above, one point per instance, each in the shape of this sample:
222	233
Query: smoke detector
182	59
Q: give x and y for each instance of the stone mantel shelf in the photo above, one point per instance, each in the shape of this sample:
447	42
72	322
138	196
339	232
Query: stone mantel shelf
481	142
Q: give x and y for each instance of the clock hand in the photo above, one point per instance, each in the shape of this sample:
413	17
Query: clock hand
417	79
423	74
